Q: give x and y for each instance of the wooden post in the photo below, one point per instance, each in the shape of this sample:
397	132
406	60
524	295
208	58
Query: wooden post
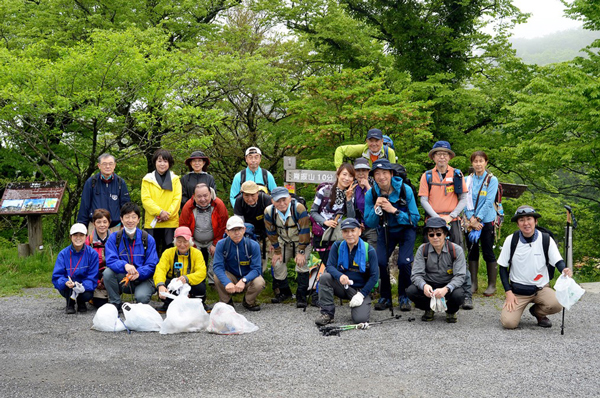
23	250
34	232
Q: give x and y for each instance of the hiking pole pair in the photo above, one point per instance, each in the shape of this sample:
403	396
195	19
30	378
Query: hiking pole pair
571	224
335	330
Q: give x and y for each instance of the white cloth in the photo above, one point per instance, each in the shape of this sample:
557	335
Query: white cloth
77	289
469	182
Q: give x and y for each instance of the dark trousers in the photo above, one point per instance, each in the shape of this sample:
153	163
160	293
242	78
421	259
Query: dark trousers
81	298
453	300
163	238
196	291
405	239
486	240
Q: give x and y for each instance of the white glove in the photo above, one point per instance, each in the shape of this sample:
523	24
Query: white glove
175	285
357	300
77	289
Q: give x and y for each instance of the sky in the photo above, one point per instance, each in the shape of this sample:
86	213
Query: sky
547	17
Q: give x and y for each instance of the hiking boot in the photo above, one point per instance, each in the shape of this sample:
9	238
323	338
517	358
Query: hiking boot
451	318
542	321
301	303
207	308
281	297
467	304
314	301
323	319
82	307
70	306
405	304
250	307
383	304
427	316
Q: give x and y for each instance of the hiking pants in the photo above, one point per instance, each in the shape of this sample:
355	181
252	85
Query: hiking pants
253	288
454	299
142	290
329	286
545	304
405	239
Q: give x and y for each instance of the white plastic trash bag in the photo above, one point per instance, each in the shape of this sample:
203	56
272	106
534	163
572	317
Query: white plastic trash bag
107	319
438	304
184	314
142	317
224	320
568	292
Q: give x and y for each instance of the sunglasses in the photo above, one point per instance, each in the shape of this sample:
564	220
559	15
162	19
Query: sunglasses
432	234
525	211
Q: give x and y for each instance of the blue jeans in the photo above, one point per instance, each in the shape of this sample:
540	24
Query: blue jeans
405	239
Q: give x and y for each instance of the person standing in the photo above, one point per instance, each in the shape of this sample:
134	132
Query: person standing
104	190
481	214
443	193
253	172
372	150
197	163
161	198
390	206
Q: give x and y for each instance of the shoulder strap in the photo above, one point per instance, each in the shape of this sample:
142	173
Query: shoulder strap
428	179
265	176
426	252
119	238
513	246
385	148
242	177
145	241
451	251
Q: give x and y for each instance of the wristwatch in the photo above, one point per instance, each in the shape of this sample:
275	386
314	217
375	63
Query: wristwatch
397	213
301	252
244	280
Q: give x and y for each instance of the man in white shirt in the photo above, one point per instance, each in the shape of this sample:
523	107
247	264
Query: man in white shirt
526	269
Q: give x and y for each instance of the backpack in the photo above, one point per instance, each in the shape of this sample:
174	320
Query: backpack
448	245
456	181
299	199
388	143
401	172
96	177
317	229
546	235
295	214
265	177
144	240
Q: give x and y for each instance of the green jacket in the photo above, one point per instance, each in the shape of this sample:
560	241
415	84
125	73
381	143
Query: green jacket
356	151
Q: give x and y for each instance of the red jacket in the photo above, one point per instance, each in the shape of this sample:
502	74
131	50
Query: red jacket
219	217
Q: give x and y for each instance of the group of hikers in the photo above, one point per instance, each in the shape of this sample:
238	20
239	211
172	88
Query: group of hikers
354	225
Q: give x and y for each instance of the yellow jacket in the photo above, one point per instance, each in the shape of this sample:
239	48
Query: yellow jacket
194	274
155	199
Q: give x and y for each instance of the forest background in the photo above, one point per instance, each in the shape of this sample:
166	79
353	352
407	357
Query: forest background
82	77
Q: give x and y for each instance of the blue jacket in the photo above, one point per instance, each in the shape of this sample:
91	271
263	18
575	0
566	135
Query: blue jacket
145	263
257	177
242	260
363	281
485	208
409	214
81	266
103	196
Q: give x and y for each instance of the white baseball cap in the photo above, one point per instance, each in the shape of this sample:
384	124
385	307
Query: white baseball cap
78	229
253	149
235	222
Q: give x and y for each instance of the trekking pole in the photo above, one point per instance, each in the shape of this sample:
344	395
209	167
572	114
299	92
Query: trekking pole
309	297
571	223
335	330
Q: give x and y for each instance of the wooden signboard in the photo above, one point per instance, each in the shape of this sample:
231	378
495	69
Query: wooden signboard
32	199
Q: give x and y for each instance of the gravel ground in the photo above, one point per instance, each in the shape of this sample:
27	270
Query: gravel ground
46	353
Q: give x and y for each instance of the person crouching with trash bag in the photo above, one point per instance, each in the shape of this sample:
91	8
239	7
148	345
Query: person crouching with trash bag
439	271
351	273
525	271
238	266
75	274
179	265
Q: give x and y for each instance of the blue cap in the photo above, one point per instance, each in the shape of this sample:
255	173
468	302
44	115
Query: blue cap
381	164
350	223
375	133
441	146
279	193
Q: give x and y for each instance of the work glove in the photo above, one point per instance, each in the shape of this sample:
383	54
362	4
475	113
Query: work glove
357	300
175	285
77	289
474	236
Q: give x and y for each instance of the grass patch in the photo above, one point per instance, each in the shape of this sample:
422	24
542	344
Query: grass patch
30	272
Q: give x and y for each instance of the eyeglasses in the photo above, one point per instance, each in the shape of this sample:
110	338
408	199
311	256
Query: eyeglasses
527	210
432	234
107	164
442	154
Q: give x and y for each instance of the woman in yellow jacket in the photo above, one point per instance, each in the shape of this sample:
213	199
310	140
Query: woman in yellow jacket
161	198
184	262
